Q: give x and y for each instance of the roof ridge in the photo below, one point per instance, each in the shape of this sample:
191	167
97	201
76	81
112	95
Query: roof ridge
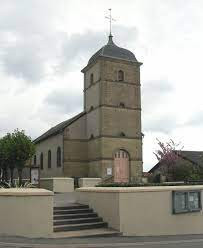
58	128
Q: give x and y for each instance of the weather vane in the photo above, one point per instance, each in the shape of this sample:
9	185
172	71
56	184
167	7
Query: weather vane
110	20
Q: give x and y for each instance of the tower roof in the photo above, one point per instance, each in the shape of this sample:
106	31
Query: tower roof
111	50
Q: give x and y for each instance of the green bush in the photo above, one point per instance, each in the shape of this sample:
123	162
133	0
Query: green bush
147	184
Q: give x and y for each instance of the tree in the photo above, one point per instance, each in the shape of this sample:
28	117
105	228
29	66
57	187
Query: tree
6	158
167	155
187	171
15	149
23	150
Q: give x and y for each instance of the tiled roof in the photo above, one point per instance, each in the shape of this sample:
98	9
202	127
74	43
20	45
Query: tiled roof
58	128
194	156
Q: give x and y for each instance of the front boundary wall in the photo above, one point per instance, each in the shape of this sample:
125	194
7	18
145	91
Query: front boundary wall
58	184
142	211
26	212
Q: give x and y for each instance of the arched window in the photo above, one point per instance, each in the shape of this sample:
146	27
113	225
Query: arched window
35	160
91	78
120	75
41	161
49	159
58	156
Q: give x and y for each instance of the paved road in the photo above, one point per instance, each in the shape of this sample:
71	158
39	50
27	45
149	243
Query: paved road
190	241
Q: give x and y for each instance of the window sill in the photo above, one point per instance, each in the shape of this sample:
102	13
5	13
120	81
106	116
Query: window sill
187	211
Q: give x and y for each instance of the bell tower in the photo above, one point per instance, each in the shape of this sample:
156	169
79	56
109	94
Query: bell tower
112	103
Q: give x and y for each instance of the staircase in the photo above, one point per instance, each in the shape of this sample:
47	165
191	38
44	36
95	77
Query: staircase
108	179
76	217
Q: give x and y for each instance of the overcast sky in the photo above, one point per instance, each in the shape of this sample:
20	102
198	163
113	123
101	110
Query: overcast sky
45	44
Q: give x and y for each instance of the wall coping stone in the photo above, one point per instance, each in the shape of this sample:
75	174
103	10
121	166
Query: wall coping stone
138	189
25	192
57	178
90	178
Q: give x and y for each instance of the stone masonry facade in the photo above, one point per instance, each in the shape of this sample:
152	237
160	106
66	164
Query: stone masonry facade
111	120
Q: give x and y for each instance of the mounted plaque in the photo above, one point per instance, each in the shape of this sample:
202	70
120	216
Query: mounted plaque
35	176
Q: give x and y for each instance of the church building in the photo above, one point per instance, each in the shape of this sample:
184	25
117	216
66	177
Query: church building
105	139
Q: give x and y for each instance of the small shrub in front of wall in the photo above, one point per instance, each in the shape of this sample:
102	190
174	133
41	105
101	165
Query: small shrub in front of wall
147	184
16	184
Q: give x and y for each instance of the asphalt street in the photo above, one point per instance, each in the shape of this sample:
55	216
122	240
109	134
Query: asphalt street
192	241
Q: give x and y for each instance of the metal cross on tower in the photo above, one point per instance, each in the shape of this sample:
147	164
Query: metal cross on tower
110	21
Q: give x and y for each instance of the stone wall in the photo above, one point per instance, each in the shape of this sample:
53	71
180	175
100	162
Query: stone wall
101	156
92	95
77	130
142	211
52	144
26	212
96	70
75	150
76	169
114	93
110	68
93	123
115	121
89	182
57	184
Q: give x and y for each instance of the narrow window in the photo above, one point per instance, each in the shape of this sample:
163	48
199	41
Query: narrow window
59	156
41	161
120	75
122	134
91	108
122	105
49	159
35	160
91	78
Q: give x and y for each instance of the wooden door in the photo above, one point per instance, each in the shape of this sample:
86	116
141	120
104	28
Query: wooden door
121	167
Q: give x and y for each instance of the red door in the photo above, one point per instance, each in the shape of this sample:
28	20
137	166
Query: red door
121	167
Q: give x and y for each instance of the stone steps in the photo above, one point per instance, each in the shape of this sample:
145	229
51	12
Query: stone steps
73	211
88	233
71	207
77	221
83	226
76	217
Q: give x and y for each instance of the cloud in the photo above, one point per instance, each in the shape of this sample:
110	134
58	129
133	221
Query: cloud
163	124
23	61
32	53
28	40
157	108
196	120
154	92
64	101
78	47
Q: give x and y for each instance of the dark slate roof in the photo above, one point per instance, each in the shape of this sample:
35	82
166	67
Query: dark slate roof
111	50
58	128
196	157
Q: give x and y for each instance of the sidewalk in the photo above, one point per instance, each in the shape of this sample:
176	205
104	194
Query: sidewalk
161	241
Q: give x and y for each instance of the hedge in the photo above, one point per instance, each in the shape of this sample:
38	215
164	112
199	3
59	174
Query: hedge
146	184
